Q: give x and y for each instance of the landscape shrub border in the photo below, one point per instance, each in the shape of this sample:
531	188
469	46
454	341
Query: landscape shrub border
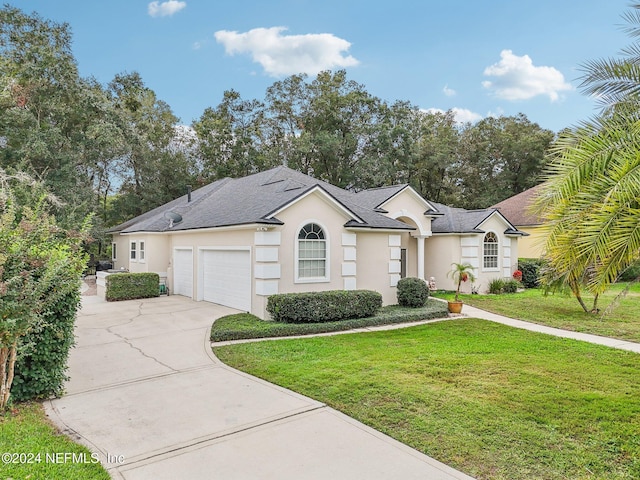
129	286
220	332
326	306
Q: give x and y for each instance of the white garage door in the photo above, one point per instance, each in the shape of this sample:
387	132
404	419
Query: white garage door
183	272
227	278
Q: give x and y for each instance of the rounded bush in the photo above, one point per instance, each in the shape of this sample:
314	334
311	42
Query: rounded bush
511	286
412	292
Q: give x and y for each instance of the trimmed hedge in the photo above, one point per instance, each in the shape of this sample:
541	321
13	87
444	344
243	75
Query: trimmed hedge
244	326
128	286
530	268
412	292
40	370
325	306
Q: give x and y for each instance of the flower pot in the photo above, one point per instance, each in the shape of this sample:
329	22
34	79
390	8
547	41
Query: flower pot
455	307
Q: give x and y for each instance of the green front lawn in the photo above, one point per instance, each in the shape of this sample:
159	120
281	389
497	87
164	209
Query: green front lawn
490	400
32	448
563	311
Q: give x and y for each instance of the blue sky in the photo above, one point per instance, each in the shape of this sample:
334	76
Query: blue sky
480	57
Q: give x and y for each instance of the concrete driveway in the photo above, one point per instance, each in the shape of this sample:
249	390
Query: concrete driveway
147	395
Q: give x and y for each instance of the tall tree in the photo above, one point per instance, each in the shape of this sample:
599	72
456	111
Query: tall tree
335	126
501	157
54	124
154	170
230	138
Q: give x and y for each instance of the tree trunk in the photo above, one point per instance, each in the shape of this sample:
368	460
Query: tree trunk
7	366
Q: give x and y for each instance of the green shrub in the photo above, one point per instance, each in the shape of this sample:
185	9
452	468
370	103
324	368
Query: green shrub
40	370
325	306
245	326
412	292
510	286
496	285
631	273
530	268
127	286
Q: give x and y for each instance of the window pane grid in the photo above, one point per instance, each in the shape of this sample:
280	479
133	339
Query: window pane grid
312	252
490	257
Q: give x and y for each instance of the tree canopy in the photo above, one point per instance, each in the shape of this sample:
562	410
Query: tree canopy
117	150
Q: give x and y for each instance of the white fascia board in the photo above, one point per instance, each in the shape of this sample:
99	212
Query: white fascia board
502	217
412	191
380	230
248	226
331	199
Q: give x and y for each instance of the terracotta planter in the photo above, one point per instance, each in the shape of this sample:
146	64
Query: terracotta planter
455	307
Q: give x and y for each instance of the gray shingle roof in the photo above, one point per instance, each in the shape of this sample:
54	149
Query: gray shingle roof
258	198
251	199
459	220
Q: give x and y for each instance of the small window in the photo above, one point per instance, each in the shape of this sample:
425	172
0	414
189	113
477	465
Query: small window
490	251
133	250
114	251
312	252
141	252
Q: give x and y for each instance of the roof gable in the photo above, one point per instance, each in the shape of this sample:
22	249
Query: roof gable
318	190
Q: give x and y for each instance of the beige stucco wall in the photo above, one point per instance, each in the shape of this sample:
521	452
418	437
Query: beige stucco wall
440	252
443	250
122	252
408	204
532	246
314	208
198	240
373	264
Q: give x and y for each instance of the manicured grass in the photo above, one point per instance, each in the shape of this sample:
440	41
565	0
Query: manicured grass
244	325
563	311
46	454
490	400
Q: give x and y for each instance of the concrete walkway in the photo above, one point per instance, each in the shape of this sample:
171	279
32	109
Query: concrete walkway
473	312
148	396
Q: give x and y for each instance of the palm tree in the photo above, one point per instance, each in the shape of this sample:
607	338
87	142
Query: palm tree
591	196
461	272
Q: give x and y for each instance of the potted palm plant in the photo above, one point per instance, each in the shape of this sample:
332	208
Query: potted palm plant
461	272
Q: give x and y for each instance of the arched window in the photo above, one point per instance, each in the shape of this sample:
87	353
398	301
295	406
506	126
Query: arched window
312	252
490	251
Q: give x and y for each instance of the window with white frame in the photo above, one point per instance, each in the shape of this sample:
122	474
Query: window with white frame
490	251
114	251
312	252
133	251
141	251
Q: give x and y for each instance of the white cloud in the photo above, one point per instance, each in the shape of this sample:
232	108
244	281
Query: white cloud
282	55
449	92
517	78
164	9
461	115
